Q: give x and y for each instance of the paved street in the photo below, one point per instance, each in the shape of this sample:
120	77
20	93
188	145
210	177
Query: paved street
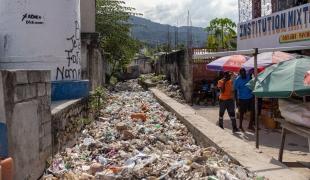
296	154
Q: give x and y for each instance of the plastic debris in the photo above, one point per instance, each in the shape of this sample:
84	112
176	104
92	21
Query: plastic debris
138	116
160	147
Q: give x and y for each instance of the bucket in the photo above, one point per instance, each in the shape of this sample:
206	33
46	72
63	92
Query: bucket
7	169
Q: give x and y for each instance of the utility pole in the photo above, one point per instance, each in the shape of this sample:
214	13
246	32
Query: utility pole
176	35
189	31
169	39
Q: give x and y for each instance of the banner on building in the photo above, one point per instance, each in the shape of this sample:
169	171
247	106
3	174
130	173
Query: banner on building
282	29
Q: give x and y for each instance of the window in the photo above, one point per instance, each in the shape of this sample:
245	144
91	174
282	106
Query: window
286	4
266	7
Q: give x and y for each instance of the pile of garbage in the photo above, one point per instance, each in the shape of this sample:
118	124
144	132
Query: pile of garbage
136	138
130	85
173	91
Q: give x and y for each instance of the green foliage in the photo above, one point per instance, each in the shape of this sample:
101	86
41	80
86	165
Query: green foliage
158	78
152	77
112	23
142	78
221	32
98	100
113	80
84	121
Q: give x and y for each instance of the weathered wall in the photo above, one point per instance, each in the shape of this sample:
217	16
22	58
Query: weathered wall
145	67
256	8
178	69
67	121
145	64
131	72
26	112
41	34
88	16
93	64
201	73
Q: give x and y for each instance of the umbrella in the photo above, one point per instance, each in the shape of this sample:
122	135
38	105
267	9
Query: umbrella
283	80
307	79
267	59
228	63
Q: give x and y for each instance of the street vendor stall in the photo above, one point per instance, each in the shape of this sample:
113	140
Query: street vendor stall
285	80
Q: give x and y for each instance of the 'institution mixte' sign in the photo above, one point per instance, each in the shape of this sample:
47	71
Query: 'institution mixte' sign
282	29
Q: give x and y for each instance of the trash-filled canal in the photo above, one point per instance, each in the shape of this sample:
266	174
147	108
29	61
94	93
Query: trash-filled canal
136	138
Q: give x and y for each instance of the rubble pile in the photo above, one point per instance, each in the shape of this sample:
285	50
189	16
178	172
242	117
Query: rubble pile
173	91
131	85
136	138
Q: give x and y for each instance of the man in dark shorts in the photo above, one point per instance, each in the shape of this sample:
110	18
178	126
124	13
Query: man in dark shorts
227	101
245	98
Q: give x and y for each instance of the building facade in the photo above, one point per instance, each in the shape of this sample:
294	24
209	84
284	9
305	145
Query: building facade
92	64
274	23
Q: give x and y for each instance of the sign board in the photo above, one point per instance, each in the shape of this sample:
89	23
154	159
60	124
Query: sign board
282	29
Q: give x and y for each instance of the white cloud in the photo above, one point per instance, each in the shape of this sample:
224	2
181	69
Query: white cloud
173	11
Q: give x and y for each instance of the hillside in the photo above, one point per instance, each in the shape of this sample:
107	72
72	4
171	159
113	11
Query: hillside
155	33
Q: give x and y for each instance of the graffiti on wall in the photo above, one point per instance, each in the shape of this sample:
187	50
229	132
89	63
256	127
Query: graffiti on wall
32	19
72	70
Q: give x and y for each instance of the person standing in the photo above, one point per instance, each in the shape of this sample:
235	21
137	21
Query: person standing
245	98
226	101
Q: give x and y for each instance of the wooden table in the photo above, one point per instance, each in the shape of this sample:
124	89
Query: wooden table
287	126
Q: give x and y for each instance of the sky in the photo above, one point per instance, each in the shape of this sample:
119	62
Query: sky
174	12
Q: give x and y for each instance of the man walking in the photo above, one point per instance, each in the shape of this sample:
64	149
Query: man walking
226	101
245	98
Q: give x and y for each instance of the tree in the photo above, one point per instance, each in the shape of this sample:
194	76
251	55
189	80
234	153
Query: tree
221	32
112	24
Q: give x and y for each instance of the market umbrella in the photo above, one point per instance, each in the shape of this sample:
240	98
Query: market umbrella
283	80
267	59
228	63
307	79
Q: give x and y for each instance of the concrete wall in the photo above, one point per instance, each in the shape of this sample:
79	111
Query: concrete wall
178	69
41	34
67	122
201	73
145	67
145	64
256	9
26	112
93	64
88	16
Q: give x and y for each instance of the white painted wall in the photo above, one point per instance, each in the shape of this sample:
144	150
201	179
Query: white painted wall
48	40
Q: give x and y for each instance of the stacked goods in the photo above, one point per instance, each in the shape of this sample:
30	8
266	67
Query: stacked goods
270	110
296	112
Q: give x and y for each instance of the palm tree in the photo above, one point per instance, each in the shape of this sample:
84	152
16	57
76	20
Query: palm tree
220	32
